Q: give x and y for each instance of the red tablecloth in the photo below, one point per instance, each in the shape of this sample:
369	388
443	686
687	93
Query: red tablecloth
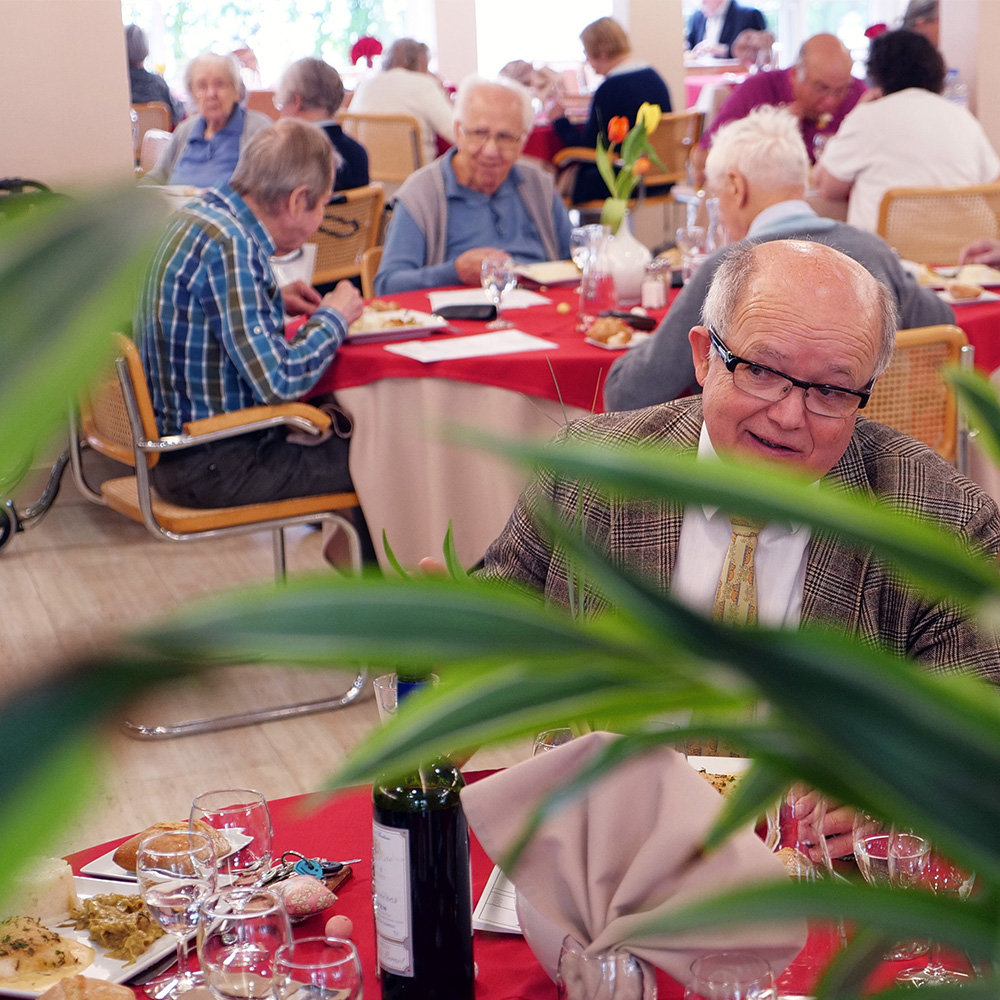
577	372
981	323
339	828
695	82
542	143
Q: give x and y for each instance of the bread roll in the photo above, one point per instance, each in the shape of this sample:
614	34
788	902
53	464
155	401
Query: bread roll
125	855
961	290
85	988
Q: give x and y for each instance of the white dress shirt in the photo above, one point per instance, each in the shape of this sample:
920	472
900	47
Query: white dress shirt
713	25
779	563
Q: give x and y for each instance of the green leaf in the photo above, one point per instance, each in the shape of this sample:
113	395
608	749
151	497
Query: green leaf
980	406
455	568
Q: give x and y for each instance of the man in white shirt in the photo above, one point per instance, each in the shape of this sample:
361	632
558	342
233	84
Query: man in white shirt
714	26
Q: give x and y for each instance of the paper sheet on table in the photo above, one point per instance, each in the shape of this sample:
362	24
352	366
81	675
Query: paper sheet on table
478	345
495	910
519	298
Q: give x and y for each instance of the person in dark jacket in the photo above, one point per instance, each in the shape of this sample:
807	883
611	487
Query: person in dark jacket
715	25
145	86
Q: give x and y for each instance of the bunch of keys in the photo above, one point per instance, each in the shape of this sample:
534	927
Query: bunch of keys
295	863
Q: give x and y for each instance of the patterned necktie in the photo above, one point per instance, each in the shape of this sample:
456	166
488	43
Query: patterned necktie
736	597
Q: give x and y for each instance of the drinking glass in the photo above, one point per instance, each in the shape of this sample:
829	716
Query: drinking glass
585	241
240	932
550	739
730	975
871	839
614	975
917	865
175	872
498	280
692	241
317	968
241	814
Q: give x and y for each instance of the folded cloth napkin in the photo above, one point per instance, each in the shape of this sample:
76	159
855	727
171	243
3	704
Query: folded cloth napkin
623	853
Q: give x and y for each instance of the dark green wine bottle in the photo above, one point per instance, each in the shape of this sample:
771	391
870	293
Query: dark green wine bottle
422	888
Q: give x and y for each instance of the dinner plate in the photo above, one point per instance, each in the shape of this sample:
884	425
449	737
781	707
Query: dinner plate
394	324
550	272
719	765
104	967
637	338
105	866
986	296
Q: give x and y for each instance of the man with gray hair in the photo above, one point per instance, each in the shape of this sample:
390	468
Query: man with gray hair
477	201
210	326
759	171
794	336
145	86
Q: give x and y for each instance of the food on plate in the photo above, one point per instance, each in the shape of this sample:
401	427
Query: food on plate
563	308
119	923
723	783
382	305
32	956
963	290
383	319
610	330
797	865
978	274
85	988
46	890
926	275
304	895
126	853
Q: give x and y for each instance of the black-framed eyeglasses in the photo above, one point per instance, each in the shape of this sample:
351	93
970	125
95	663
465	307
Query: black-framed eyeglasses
768	383
506	142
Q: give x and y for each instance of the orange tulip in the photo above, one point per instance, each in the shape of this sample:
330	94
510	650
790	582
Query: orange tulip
617	129
641	166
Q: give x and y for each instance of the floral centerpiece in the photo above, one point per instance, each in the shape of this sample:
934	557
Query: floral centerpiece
635	156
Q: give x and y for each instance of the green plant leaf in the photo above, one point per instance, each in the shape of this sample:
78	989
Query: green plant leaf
979	403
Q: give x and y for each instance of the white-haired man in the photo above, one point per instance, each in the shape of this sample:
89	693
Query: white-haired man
759	170
476	201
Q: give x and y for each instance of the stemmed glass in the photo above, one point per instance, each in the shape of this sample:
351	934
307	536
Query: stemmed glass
176	872
871	841
240	933
498	280
730	975
585	241
614	975
317	968
241	814
913	861
692	241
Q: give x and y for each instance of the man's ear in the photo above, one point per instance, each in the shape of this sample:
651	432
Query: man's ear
739	187
701	346
298	200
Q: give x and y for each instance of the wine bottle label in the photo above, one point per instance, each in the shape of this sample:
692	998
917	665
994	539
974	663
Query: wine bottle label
393	912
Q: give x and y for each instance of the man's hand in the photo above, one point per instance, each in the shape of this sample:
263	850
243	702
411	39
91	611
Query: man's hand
838	827
299	298
346	299
981	252
469	265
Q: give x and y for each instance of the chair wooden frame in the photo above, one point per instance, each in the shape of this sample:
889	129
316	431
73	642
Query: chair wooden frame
153	143
351	225
931	225
262	101
149	115
391	141
116	419
912	397
674	139
370	261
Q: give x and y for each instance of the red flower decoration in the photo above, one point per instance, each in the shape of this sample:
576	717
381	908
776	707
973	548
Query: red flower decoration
876	29
617	129
367	48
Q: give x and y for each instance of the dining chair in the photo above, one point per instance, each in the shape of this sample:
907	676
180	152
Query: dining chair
370	261
153	143
115	419
931	225
913	398
149	114
350	226
263	101
674	139
391	141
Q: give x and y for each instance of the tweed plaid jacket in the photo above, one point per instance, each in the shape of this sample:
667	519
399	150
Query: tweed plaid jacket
849	589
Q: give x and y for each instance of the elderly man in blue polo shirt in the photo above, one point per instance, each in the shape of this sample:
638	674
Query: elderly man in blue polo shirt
476	201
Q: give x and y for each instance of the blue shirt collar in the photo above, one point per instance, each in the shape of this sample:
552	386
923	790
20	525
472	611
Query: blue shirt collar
234	126
787	215
453	189
222	196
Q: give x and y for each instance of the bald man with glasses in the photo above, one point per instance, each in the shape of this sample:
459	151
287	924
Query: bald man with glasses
476	201
795	335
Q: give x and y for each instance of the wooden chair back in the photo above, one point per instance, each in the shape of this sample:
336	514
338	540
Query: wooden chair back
674	139
392	143
913	398
153	143
263	101
149	115
930	225
350	227
370	261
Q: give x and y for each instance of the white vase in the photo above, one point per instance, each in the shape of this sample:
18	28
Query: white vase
627	258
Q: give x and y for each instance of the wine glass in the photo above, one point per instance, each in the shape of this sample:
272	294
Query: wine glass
550	739
730	975
176	873
871	840
692	241
241	814
317	968
240	932
585	241
613	975
498	280
913	861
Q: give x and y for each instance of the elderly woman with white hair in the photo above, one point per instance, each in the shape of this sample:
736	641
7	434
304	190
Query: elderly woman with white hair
205	147
476	201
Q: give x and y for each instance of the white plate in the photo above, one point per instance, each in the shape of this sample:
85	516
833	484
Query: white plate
638	336
109	969
720	765
383	327
986	296
550	272
105	867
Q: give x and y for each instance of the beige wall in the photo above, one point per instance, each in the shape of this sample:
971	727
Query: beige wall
64	115
656	30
